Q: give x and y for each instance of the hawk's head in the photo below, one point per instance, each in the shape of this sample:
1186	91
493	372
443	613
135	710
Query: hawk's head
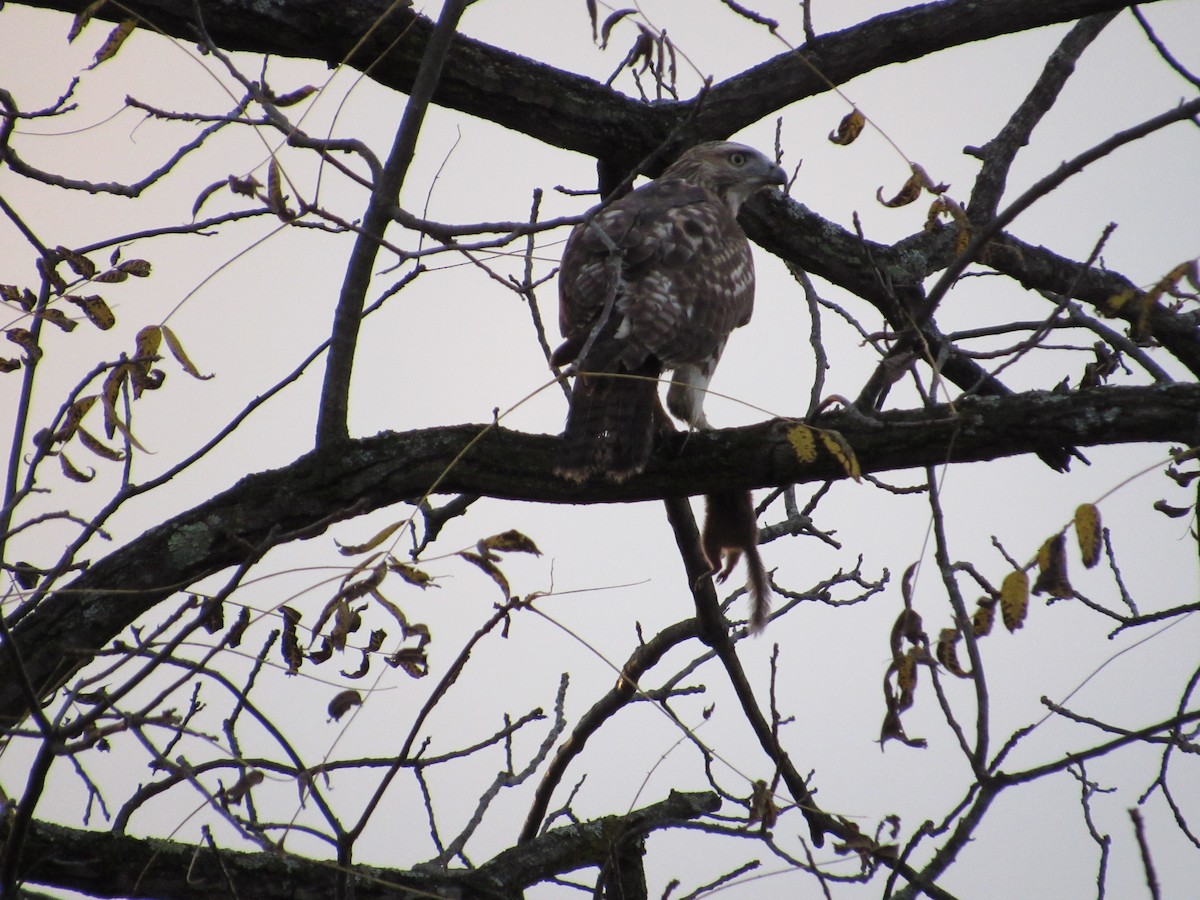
731	171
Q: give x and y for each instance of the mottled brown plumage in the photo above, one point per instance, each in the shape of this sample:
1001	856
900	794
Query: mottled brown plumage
654	282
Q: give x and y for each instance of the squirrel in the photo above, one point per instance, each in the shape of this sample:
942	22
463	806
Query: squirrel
731	532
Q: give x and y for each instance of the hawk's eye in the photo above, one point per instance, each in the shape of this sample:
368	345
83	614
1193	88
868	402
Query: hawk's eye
737	159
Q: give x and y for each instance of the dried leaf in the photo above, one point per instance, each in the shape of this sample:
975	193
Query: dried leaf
947	652
984	618
511	541
762	806
95	309
113	42
9	365
412	574
83	17
1174	512
343	703
610	23
292	654
906	195
142	374
1052	568
411	659
180	355
276	200
804	443
372	543
80	264
238	792
849	128
364	667
1014	599
234	638
138	268
1088	533
111	276
490	568
316	657
906	627
214	615
24	339
74	415
73	473
56	316
291	98
840	450
247	186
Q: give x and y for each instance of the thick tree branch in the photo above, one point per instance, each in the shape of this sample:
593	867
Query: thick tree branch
567	110
108	865
303	499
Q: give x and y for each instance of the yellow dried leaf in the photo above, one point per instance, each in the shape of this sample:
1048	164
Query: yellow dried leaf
1117	302
490	568
95	309
841	451
276	200
804	443
371	543
142	374
113	42
1088	533
849	128
906	195
1014	599
1052	568
177	351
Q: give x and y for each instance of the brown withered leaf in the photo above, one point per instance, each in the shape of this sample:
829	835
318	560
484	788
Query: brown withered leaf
113	42
80	264
906	627
848	129
1088	533
892	729
247	186
412	574
610	23
762	806
378	636
292	654
237	793
95	309
984	617
82	18
9	365
342	703
947	652
364	667
411	659
24	339
74	415
111	276
1014	599
511	541
490	568
57	317
1052	568
276	199
138	268
291	98
906	195
1174	512
73	473
234	637
346	621
214	615
324	654
142	374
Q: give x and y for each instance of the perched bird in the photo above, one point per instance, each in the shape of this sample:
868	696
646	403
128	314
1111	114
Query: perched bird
653	282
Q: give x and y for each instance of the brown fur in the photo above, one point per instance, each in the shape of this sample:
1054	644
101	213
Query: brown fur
731	532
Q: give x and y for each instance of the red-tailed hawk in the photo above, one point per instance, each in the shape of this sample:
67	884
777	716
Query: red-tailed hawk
655	281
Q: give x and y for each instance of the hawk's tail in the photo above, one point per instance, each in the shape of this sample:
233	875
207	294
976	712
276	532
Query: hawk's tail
610	428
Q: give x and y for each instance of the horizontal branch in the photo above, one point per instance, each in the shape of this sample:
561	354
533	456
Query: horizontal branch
303	499
110	865
571	111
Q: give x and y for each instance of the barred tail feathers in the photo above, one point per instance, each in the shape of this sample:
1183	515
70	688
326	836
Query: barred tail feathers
610	427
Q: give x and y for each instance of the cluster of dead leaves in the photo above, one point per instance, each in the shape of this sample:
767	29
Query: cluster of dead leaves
342	616
900	680
1137	306
651	51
